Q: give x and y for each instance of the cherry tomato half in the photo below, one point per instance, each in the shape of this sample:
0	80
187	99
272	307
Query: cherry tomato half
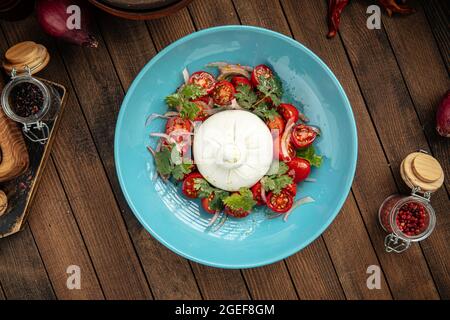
277	123
300	167
188	187
178	123
278	153
203	79
206	204
288	111
223	93
236	213
258	71
280	202
302	136
256	190
291	188
202	114
238	80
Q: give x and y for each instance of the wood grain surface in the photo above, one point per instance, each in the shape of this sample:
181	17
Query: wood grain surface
394	78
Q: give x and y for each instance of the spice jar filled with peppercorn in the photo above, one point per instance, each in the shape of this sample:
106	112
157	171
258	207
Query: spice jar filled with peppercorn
411	218
27	100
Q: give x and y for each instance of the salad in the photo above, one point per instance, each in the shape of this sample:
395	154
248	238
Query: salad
256	90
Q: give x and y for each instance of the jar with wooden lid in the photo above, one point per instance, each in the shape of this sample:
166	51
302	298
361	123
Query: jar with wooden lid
411	218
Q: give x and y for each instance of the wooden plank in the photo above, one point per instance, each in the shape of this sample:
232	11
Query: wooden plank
83	176
372	169
278	284
22	273
57	236
220	284
427	81
170	276
377	71
214	283
437	12
313	273
355	246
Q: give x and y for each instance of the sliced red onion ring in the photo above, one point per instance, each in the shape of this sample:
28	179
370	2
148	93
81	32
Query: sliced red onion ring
186	75
285	138
214	218
297	204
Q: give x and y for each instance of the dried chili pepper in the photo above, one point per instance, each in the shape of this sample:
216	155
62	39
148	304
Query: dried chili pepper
335	8
392	6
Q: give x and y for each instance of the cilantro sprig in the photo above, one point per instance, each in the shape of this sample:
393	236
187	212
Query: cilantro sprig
309	154
166	167
182	100
206	190
242	200
278	181
269	88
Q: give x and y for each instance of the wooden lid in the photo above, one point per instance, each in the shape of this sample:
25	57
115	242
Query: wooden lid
23	54
422	170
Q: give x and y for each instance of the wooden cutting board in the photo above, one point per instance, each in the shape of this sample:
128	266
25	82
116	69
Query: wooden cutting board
21	190
14	158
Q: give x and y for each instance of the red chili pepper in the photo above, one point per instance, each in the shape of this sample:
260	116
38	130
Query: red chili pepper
335	8
392	6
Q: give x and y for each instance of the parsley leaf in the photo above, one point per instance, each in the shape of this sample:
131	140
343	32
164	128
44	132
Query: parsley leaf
309	154
181	100
242	200
162	160
263	110
271	87
179	171
245	96
278	181
206	190
165	166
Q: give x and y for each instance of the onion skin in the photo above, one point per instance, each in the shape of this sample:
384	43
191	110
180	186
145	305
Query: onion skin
443	116
52	17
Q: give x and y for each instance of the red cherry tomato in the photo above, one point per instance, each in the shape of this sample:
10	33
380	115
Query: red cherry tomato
291	188
277	123
280	202
236	213
300	167
302	136
202	114
223	93
188	187
288	111
206	204
237	81
256	190
178	123
258	71
203	79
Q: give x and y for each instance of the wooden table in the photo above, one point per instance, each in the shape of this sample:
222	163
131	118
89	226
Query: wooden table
394	78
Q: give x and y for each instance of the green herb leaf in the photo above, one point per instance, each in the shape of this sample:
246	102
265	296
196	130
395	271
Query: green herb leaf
309	154
243	200
271	87
179	171
245	96
276	183
189	110
163	163
264	111
217	200
181	100
204	188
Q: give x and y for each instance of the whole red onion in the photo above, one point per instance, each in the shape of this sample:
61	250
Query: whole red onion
443	116
60	22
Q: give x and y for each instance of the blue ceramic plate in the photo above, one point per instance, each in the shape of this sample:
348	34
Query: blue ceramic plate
179	223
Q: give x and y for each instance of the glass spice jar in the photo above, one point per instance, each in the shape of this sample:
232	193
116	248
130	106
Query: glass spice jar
411	218
27	100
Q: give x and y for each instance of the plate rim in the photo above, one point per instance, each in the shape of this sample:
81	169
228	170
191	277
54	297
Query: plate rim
276	257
